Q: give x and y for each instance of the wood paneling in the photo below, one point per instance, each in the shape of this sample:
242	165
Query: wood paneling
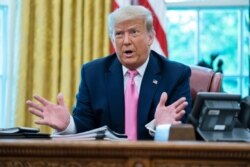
49	153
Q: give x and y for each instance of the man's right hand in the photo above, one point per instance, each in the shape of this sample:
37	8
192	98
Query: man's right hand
56	116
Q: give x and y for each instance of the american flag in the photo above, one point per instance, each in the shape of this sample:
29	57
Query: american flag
158	9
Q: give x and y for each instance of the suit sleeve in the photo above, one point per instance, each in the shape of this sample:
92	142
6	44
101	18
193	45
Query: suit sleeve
182	89
82	113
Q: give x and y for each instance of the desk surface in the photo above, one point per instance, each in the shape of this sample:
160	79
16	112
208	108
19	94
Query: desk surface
113	153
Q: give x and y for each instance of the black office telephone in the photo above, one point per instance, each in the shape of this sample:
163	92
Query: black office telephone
221	117
244	115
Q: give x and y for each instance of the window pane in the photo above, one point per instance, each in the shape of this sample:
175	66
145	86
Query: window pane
3	58
231	85
245	88
181	35
246	44
1	64
219	35
1	39
1	103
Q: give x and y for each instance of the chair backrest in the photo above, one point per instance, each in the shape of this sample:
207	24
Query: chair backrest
204	80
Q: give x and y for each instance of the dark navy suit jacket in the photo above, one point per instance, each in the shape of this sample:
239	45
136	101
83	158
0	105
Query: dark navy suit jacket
100	100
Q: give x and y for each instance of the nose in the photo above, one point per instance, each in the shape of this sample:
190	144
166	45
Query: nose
126	40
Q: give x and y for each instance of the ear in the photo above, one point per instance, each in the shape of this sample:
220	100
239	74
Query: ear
151	37
113	42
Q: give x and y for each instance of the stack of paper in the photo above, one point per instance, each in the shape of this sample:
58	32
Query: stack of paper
102	133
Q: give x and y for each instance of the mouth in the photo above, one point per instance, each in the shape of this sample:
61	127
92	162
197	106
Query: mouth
128	53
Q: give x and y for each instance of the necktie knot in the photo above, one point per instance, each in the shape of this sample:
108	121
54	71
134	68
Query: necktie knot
132	73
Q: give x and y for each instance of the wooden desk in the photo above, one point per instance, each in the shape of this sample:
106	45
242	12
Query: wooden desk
47	153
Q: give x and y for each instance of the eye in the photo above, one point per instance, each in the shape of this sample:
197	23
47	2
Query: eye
134	32
118	34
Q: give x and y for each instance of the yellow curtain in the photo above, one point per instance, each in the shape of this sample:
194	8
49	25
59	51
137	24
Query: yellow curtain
56	38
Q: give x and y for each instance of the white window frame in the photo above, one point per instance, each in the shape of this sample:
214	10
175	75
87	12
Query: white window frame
206	3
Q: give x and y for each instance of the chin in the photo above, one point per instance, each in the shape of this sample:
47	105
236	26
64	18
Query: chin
131	66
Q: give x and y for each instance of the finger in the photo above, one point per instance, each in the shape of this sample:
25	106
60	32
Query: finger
182	106
179	115
163	99
179	101
41	100
34	105
176	122
36	112
41	122
44	122
60	99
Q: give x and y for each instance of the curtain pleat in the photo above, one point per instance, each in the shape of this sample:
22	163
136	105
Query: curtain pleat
57	37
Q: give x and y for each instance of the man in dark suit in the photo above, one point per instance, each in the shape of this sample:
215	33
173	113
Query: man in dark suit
162	85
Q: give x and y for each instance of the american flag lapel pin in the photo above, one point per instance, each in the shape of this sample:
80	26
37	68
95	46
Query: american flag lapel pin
155	81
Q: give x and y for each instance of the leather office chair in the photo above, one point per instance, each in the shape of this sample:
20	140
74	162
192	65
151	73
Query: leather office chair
204	80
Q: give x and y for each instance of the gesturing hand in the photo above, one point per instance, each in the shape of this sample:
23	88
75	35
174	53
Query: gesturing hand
171	114
56	116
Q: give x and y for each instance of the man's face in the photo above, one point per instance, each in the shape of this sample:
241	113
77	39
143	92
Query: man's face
132	42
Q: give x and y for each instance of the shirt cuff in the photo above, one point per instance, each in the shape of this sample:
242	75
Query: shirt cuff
162	132
71	129
151	127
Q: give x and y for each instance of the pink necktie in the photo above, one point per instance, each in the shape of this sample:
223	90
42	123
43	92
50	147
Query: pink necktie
131	103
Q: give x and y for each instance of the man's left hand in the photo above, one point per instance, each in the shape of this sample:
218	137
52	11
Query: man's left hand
171	114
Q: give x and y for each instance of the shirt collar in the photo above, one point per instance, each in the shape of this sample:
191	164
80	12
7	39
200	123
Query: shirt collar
140	70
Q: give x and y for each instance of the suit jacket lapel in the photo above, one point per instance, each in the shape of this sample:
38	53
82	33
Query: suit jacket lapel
115	94
150	82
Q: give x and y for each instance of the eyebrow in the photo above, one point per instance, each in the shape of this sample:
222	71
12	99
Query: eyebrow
130	27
